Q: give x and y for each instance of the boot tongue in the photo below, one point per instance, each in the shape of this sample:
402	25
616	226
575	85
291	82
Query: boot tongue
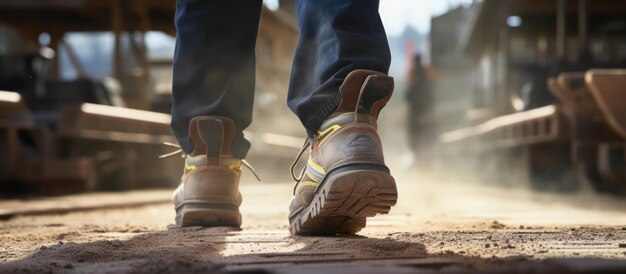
212	136
365	91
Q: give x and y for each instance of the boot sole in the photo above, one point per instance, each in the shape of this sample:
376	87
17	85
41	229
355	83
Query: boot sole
343	202
206	215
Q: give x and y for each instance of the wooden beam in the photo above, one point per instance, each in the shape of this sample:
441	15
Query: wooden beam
117	24
582	27
561	18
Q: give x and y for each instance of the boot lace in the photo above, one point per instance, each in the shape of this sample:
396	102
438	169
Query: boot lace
298	178
179	150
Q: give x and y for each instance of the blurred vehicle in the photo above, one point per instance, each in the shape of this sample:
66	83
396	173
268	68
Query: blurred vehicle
546	99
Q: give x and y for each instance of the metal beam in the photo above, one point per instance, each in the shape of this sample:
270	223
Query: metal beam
74	59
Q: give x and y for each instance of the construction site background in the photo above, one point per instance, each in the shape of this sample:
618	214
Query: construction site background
508	119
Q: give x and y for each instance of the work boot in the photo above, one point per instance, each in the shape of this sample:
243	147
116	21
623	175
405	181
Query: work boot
208	194
346	179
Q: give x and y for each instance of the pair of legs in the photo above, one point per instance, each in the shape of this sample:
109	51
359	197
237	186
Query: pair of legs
337	88
214	62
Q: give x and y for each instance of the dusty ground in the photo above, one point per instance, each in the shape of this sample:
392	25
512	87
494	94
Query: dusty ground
437	227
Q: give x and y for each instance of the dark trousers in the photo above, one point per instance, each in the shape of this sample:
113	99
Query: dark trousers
214	60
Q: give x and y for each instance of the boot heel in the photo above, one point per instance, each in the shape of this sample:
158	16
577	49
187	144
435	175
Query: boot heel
208	216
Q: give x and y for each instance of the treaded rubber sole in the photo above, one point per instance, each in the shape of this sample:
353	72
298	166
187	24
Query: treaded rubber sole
207	216
344	201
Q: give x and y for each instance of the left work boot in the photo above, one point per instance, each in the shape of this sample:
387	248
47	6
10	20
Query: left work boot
346	179
208	194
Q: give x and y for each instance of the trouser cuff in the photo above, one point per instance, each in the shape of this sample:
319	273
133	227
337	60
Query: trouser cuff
314	122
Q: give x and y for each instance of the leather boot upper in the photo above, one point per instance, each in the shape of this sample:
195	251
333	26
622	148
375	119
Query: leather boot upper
348	136
211	173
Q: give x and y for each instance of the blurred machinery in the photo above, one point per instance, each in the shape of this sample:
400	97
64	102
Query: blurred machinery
81	147
546	100
60	135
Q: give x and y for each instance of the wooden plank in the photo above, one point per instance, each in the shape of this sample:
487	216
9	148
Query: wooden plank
83	202
423	260
522	128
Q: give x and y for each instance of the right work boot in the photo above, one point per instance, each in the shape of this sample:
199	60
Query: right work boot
345	180
208	194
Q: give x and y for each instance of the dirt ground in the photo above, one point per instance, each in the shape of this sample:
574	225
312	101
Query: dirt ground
439	227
